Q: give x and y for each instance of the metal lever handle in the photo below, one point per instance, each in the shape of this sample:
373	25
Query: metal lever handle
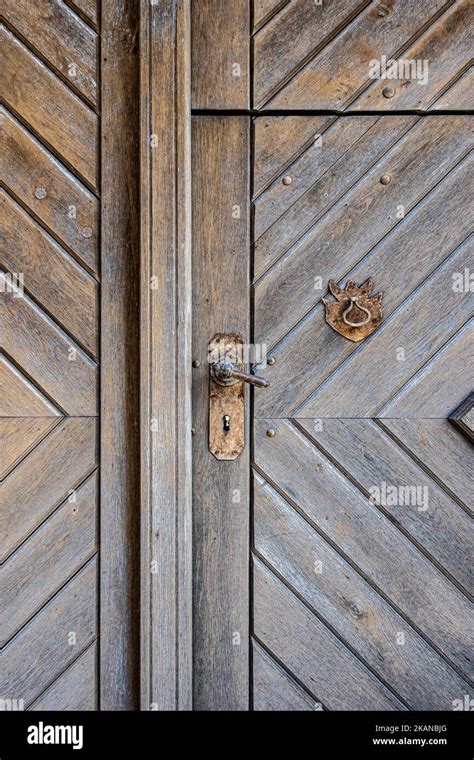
226	373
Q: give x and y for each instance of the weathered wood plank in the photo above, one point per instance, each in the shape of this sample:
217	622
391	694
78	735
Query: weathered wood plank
166	602
273	688
75	689
441	449
308	168
220	54
318	659
446	47
325	188
333	78
47	354
44	479
19	397
278	141
220	489
30	662
88	9
119	382
263	10
45	562
412	250
437	523
411	331
460	92
51	276
53	195
437	388
55	113
357	222
385	641
360	531
18	435
61	37
293	37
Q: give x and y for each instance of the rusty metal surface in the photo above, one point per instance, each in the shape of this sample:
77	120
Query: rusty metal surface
354	314
226	437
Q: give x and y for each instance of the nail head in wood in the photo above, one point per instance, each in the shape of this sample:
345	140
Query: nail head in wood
271	433
40	193
196	363
287	180
388	92
385	179
86	232
271	361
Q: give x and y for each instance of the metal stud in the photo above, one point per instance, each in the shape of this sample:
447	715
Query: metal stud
86	232
40	193
388	92
196	363
271	361
271	433
287	180
385	179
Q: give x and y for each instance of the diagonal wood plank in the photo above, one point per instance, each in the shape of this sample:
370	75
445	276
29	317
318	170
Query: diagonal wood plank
58	366
362	533
273	688
460	92
19	397
291	38
412	331
54	196
52	640
413	249
441	449
87	8
357	222
347	603
316	657
341	70
446	46
44	479
263	10
75	689
372	459
18	436
61	37
51	276
327	187
55	113
54	553
437	389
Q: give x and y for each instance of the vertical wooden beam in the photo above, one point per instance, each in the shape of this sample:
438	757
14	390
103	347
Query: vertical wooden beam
166	534
221	54
119	560
221	256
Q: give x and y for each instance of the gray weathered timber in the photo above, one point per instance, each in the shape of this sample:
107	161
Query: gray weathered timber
273	688
166	303
75	689
221	489
119	445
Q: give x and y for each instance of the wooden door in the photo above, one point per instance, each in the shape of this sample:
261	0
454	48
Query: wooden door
333	557
68	357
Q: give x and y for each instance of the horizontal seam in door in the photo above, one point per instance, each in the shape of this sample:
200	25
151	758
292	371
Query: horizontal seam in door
360	572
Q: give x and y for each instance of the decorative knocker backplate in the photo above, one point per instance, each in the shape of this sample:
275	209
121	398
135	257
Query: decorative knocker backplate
354	314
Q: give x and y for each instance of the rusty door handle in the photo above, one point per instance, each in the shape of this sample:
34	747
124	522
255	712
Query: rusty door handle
227	373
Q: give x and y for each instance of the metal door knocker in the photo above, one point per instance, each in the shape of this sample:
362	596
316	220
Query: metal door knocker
355	314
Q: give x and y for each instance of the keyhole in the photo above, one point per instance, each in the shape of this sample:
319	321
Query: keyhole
226	421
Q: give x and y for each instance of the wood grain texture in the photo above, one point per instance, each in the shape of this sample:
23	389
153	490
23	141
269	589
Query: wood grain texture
67	208
19	397
263	10
166	303
51	276
221	518
53	554
75	689
45	103
18	436
350	606
361	532
319	660
29	662
89	9
44	352
273	688
60	37
43	480
119	382
220	54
